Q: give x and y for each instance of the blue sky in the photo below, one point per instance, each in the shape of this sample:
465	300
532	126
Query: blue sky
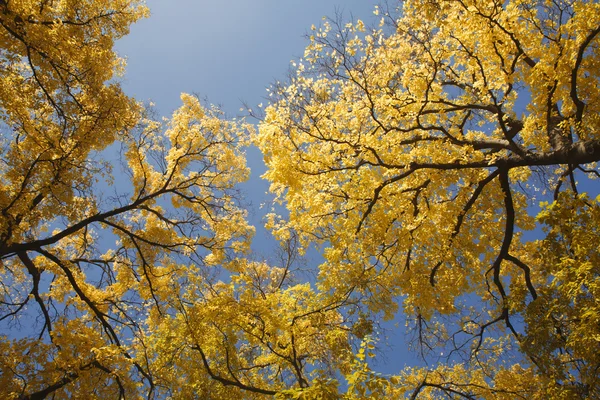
229	52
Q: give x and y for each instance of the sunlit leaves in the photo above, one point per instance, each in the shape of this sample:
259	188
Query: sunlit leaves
107	214
412	153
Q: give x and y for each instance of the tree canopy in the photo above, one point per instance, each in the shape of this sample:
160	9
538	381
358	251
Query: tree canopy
417	154
442	162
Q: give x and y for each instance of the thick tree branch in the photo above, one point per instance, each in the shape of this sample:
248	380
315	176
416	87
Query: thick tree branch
35	276
579	104
229	382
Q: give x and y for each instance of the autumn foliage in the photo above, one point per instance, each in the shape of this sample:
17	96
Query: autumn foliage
446	177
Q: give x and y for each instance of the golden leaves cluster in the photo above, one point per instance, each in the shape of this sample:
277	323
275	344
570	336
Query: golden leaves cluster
412	153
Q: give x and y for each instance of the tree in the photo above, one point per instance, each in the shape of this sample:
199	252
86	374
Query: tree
415	154
121	235
86	267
